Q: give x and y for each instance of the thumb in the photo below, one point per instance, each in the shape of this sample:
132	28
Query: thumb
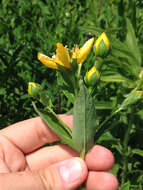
66	175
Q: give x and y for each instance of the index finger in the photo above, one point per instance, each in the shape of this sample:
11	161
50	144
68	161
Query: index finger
33	133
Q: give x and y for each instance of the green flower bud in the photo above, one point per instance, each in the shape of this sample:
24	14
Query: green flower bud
92	76
102	45
34	89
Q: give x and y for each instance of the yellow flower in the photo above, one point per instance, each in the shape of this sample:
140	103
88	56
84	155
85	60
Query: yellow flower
102	45
61	58
92	76
81	53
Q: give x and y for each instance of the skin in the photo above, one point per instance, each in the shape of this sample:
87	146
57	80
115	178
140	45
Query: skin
25	164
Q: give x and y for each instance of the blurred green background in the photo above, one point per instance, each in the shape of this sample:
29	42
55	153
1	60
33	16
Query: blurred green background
27	27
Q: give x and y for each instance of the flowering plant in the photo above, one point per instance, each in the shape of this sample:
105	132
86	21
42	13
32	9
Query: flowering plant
82	88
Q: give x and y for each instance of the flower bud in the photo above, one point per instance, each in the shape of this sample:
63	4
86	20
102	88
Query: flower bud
102	45
92	76
34	89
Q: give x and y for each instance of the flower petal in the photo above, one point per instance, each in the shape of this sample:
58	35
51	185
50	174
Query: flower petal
49	62
63	55
84	50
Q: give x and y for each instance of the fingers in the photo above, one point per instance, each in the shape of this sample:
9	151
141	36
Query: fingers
31	134
11	158
99	159
101	181
66	175
49	155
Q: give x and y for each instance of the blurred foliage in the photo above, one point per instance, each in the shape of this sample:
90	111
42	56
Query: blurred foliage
37	25
26	27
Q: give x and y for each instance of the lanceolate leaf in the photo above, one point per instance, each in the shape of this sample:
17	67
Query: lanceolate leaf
132	42
114	78
56	124
85	121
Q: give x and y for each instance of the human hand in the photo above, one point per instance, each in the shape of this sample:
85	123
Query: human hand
26	165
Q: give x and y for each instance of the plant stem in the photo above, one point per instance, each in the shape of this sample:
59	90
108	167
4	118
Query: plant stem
125	149
101	128
82	154
79	70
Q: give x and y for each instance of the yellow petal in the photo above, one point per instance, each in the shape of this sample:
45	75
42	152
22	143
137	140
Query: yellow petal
103	37
47	61
84	50
56	60
62	55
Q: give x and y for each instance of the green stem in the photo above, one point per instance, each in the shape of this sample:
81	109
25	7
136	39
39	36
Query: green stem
99	128
79	71
74	84
125	149
90	89
82	154
102	127
76	80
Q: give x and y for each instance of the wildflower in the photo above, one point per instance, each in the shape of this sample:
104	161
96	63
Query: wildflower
34	89
62	58
92	76
102	45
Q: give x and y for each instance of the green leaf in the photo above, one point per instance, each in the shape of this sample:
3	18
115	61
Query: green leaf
132	98
132	41
104	105
138	152
107	136
2	91
56	124
115	169
128	62
125	186
85	121
114	78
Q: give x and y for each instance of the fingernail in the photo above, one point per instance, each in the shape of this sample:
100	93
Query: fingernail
70	170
